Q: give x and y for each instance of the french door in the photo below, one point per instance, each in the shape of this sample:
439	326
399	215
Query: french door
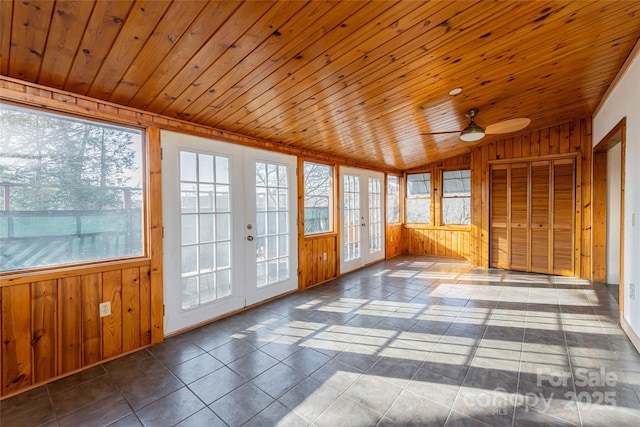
362	211
229	233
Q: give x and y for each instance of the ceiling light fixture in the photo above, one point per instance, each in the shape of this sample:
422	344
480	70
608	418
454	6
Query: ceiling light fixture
472	132
456	91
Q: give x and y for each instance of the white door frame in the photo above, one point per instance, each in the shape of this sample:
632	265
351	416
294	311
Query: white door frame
365	257
243	251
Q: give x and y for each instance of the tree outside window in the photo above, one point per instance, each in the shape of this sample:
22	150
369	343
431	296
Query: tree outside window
456	197
318	185
418	203
71	190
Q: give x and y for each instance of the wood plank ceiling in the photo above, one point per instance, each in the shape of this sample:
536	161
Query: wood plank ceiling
356	79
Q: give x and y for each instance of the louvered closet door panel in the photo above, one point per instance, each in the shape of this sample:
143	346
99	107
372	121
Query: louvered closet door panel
519	222
540	181
563	216
499	217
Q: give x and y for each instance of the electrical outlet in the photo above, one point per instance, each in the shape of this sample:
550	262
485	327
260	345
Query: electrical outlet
105	309
324	256
632	291
633	220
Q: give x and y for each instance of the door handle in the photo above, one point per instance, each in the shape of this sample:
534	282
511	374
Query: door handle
362	223
250	238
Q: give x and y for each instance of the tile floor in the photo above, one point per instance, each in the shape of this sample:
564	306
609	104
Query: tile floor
410	341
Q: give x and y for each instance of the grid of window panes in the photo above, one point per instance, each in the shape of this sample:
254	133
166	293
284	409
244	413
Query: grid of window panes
393	199
205	228
418	207
375	215
71	190
456	197
317	197
352	219
272	223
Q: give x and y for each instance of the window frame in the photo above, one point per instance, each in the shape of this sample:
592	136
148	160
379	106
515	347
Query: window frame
331	197
32	273
431	198
398	196
442	197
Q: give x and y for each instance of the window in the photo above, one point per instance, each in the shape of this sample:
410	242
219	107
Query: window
317	198
456	197
72	190
393	199
418	208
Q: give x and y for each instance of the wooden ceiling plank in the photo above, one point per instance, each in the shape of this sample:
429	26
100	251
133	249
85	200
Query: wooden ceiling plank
29	32
251	43
6	16
138	26
390	111
67	26
223	39
102	30
173	25
206	25
355	30
256	68
335	92
340	19
417	72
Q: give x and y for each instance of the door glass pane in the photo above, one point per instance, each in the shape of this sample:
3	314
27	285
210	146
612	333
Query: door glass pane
375	215
352	217
272	227
205	232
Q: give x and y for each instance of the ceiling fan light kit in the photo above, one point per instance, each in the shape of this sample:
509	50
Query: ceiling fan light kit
472	132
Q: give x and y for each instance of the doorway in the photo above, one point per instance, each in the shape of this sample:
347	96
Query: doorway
362	225
608	211
229	232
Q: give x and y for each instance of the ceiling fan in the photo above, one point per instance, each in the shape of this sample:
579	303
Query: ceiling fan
473	132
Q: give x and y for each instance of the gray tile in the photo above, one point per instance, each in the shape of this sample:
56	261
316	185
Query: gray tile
385	394
347	412
337	375
101	413
306	360
216	384
277	415
142	388
203	418
278	380
309	398
253	364
171	409
176	350
241	405
32	407
410	409
231	351
396	371
73	398
196	368
130	420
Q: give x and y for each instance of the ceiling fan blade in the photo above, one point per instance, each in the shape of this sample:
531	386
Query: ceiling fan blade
508	126
440	133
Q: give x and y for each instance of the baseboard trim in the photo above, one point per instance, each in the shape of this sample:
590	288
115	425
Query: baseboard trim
626	327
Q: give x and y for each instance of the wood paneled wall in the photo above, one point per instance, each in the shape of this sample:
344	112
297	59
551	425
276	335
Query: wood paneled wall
438	240
393	243
314	268
51	327
573	137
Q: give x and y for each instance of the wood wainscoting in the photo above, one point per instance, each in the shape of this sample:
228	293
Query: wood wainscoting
51	326
452	242
314	266
393	242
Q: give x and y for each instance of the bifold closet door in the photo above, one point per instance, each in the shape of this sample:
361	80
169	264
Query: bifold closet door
532	213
